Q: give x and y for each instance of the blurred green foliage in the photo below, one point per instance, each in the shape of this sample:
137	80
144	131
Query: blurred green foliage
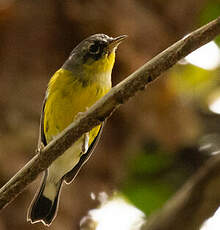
154	175
193	81
210	11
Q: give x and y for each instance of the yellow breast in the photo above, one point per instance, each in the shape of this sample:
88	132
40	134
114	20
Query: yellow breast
67	96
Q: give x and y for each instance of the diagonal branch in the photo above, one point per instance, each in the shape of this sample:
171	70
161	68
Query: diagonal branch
104	107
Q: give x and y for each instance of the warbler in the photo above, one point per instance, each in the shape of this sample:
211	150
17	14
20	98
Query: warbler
83	79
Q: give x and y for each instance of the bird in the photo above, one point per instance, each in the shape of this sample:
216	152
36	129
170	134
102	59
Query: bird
83	79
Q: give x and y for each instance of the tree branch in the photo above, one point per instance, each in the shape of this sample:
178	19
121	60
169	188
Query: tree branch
104	107
196	201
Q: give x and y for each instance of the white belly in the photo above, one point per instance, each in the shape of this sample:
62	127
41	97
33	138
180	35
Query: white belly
65	162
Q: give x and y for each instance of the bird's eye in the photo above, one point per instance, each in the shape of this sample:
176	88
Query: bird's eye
94	48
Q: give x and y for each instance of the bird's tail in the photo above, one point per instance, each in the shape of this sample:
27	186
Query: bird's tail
45	203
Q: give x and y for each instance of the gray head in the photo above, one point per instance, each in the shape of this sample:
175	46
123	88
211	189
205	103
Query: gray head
94	49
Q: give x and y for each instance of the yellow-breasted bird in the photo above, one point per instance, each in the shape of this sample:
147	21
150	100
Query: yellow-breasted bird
83	79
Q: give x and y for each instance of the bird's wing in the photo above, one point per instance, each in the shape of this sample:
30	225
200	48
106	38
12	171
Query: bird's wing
69	177
42	139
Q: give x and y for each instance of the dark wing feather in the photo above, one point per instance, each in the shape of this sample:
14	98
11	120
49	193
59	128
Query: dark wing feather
69	177
42	138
